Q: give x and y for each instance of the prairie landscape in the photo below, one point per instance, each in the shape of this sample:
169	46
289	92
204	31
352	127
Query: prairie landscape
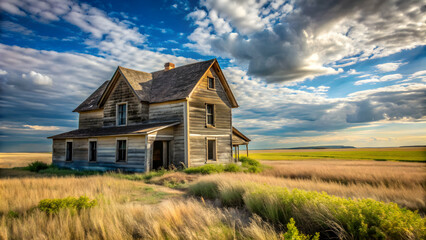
286	199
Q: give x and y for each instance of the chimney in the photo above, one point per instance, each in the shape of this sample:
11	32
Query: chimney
168	66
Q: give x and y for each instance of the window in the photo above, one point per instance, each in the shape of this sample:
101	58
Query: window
209	114
211	149
121	151
121	114
69	152
210	82
93	151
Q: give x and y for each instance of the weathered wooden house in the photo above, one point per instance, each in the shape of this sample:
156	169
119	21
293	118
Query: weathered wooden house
140	121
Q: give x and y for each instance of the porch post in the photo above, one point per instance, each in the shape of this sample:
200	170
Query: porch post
247	149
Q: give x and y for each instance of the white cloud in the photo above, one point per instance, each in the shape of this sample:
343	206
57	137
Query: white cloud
382	79
352	72
3	72
42	128
38	78
389	67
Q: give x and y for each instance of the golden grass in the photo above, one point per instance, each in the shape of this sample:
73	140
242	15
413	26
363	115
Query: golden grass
122	212
19	195
10	160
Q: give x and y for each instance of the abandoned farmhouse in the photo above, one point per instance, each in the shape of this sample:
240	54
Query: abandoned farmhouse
140	121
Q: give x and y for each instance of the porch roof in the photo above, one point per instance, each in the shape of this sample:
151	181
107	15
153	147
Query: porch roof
238	138
140	129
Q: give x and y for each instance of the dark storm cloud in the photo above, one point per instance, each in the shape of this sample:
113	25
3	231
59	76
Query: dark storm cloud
302	43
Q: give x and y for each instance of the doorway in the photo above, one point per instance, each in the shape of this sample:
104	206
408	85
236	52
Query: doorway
160	158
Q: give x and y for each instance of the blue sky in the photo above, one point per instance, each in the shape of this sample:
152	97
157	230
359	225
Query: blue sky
304	73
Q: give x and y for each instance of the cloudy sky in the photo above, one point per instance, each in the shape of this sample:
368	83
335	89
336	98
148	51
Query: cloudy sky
304	72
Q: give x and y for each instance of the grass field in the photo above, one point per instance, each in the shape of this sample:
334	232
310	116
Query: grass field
358	201
377	154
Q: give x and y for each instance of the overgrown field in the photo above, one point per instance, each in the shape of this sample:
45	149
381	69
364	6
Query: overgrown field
273	200
410	154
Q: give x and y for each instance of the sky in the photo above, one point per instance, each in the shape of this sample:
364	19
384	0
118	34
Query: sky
305	73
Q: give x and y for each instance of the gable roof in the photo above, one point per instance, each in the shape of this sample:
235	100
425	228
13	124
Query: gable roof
160	86
91	103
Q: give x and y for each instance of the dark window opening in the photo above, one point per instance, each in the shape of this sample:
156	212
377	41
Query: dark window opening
121	150
69	151
92	151
211	150
211	82
210	114
122	114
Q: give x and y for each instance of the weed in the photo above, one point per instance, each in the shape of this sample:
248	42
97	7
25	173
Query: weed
54	205
36	166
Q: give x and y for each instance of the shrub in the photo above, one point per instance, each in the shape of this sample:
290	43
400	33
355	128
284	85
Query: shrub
205	169
232	167
319	212
37	166
251	165
54	205
293	233
246	161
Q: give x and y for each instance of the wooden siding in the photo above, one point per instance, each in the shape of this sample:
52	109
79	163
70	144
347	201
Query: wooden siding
172	111
91	119
58	152
198	131
106	159
137	111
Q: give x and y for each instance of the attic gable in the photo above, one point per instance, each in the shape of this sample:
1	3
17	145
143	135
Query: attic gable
161	86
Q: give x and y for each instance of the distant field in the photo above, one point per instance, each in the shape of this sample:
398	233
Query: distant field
417	154
11	160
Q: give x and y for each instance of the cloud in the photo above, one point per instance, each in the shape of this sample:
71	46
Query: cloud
389	67
269	109
352	72
382	79
302	39
3	72
42	128
38	78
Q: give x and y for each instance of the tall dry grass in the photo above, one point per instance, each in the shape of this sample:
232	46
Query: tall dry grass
122	213
402	183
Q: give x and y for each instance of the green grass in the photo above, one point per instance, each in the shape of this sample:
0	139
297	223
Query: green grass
52	206
247	165
358	154
331	216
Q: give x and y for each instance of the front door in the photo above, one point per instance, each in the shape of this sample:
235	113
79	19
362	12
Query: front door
159	155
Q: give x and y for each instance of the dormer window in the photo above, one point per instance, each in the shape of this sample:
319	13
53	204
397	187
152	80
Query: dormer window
210	82
122	114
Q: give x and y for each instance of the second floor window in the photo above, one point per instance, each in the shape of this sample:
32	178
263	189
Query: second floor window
210	114
122	114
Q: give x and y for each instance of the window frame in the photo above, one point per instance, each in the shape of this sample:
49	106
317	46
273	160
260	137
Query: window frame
90	150
214	150
214	83
117	117
213	114
66	150
117	150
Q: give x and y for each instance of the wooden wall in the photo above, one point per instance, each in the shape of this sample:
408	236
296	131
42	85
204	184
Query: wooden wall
106	159
58	151
197	121
172	111
137	111
91	119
